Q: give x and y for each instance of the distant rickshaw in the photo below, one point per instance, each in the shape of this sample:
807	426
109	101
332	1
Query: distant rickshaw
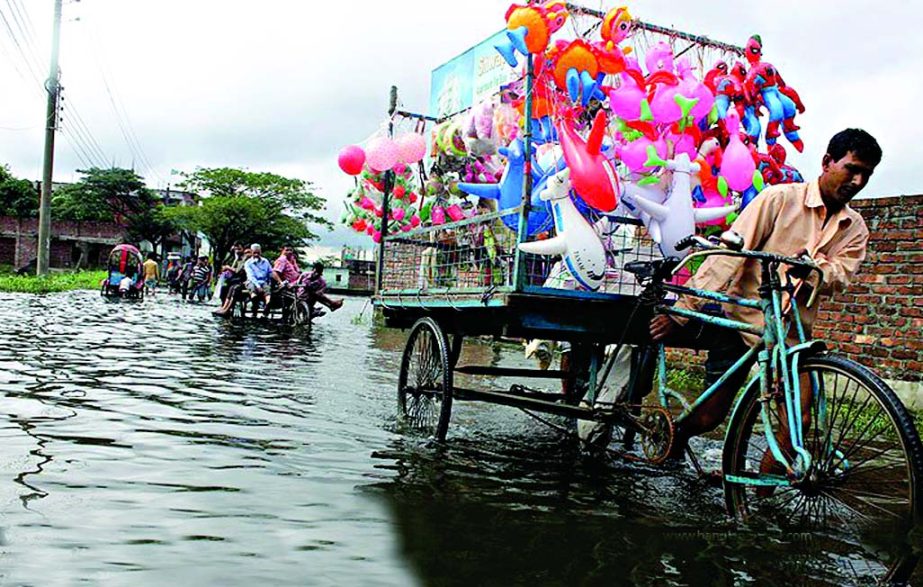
126	275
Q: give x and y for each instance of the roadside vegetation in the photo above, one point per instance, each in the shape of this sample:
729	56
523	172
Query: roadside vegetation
54	282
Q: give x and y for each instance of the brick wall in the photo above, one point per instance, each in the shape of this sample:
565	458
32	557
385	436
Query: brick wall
878	321
65	234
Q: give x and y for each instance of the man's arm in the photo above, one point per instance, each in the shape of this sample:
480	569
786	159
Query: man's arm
840	268
754	224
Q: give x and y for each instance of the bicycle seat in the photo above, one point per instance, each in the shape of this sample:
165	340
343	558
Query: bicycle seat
648	269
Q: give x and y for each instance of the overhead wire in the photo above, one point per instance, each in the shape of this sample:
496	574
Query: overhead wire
79	136
118	107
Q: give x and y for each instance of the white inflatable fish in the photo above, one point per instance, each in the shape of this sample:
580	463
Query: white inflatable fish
576	241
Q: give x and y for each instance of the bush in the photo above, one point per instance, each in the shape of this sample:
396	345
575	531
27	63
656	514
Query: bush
54	282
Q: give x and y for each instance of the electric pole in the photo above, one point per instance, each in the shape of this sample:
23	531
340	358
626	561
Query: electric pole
51	119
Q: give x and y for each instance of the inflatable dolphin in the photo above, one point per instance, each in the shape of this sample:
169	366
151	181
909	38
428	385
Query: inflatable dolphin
577	241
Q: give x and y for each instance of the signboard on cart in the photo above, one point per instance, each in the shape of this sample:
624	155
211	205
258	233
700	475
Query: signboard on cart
469	78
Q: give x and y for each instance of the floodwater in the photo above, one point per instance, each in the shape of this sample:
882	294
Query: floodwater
152	444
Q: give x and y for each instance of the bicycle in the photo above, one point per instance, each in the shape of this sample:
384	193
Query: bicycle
814	436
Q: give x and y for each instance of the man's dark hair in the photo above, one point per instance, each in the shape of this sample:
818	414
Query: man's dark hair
152	256
859	142
318	266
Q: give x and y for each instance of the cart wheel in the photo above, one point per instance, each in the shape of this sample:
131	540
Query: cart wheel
424	389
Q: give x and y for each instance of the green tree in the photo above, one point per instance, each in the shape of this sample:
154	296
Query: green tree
118	195
17	196
245	206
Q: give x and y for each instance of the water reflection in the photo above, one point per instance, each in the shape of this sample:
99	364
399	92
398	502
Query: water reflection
543	516
152	442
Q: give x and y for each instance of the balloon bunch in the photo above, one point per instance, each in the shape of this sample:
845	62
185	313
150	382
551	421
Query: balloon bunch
383	153
648	137
364	211
612	133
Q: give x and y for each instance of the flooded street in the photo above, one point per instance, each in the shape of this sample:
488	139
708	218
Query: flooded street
151	444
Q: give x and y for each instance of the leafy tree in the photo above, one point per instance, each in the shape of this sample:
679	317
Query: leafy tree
17	196
247	206
76	202
118	195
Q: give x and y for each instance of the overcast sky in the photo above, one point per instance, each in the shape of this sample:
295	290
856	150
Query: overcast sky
282	85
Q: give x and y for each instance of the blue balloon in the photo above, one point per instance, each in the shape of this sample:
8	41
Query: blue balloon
508	192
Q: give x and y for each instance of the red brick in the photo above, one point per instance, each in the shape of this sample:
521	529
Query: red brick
904	354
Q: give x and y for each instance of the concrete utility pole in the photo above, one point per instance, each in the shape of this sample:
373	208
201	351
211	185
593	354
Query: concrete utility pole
51	118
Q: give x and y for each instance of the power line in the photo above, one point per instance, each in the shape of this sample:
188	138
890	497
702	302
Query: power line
118	107
81	126
30	65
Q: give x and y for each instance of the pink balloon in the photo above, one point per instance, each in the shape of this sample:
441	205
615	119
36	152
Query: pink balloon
411	148
634	154
437	215
737	165
381	154
397	214
626	99
415	221
376	236
351	159
455	212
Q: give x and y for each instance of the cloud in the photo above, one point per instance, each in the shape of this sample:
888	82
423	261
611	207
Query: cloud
282	85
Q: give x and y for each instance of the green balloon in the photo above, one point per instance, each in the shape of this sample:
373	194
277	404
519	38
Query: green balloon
426	210
646	114
758	182
723	187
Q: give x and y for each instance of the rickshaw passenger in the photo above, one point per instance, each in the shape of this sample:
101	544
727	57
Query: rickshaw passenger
313	286
237	283
233	269
286	266
260	278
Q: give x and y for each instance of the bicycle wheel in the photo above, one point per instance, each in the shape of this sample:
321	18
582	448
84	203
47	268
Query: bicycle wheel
424	388
301	314
866	455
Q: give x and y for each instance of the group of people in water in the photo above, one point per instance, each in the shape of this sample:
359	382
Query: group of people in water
246	277
250	277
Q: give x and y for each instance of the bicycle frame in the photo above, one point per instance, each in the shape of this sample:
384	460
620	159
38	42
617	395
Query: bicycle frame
777	361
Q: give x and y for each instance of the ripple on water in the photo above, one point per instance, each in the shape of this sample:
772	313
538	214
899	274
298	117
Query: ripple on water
145	443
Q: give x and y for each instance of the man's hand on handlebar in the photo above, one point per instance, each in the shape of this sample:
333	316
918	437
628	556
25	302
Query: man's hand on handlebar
802	271
661	327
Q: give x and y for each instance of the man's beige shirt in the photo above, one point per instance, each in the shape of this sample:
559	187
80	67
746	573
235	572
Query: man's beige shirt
785	219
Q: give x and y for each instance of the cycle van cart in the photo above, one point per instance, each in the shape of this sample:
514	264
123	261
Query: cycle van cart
812	437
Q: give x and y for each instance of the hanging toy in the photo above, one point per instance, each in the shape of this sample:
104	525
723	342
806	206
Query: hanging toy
576	241
592	174
529	29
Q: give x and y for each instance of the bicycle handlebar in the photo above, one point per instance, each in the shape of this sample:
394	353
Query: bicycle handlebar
712	248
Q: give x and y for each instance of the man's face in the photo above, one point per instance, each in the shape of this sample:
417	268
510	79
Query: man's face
256	253
288	252
843	179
